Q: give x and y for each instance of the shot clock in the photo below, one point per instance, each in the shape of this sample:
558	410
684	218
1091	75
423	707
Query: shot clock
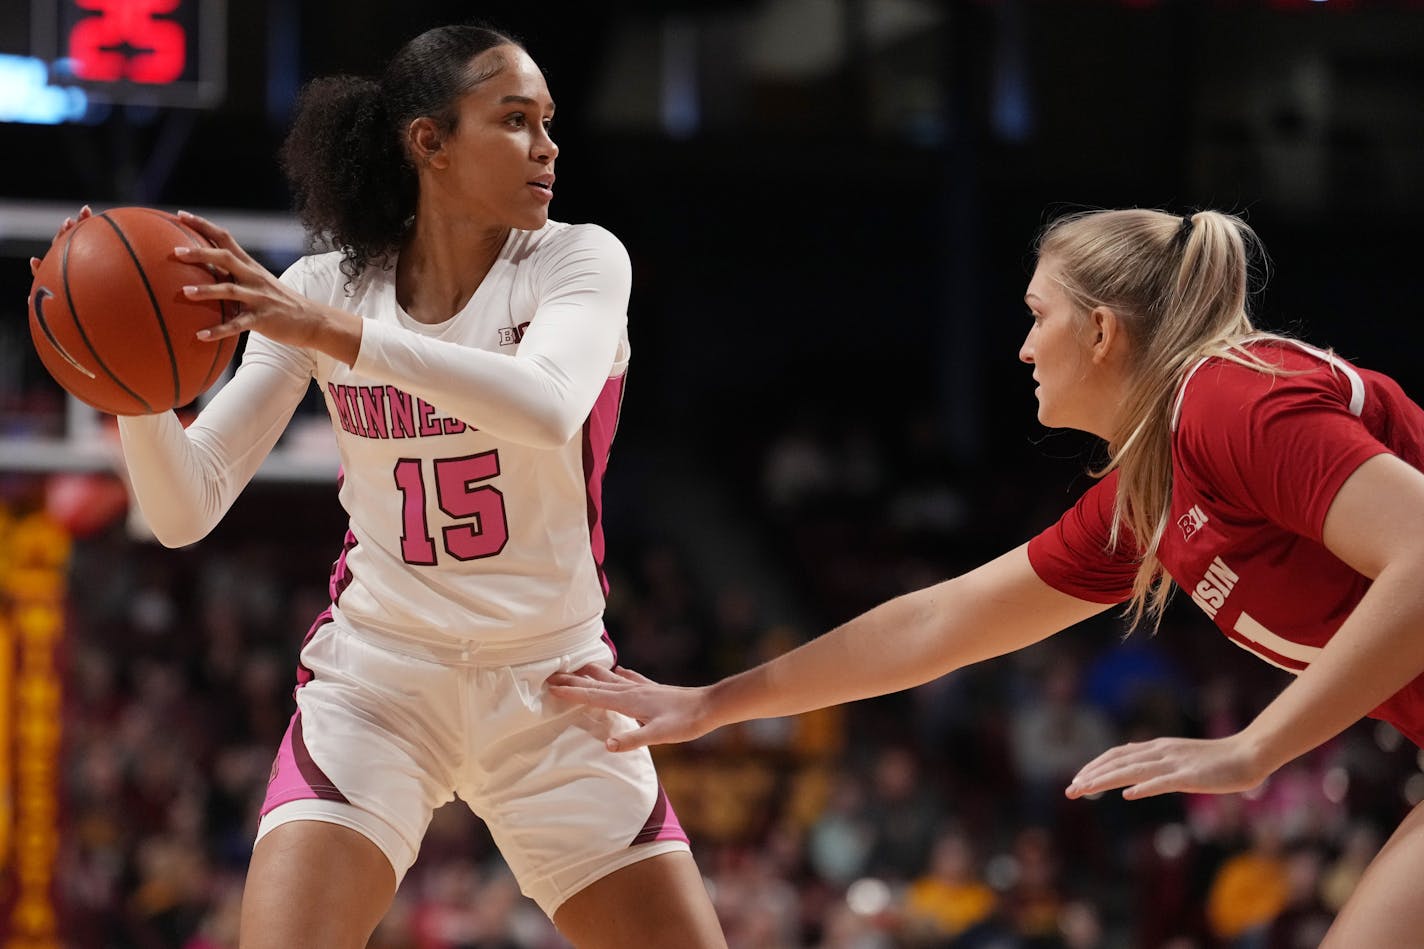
164	52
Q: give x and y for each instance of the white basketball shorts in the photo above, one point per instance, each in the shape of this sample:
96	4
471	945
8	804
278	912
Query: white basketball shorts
383	735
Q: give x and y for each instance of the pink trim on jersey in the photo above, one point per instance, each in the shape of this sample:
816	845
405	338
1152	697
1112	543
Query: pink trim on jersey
662	823
341	575
608	641
598	434
304	675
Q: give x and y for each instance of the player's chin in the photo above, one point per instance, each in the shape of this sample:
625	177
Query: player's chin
531	219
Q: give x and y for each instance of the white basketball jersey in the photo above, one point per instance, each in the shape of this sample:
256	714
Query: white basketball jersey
456	534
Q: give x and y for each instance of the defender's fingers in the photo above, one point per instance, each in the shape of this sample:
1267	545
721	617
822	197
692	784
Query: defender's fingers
595	672
595	697
631	741
1118	756
633	676
1165	784
1123	775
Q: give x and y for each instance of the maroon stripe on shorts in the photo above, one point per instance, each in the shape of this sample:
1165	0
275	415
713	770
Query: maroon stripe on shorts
662	823
310	771
295	776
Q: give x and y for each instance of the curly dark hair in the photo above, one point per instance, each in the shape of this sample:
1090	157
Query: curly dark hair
345	158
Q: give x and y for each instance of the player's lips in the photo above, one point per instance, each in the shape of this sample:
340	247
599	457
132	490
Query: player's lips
543	186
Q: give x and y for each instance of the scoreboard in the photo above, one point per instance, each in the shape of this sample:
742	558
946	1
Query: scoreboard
163	52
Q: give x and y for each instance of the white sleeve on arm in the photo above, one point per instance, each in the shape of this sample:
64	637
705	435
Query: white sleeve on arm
186	479
541	395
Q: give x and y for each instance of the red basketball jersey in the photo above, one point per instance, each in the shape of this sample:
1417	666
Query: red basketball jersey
1257	460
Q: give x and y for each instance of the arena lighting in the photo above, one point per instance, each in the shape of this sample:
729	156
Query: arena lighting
1387	737
1335	785
27	96
1171	841
869	897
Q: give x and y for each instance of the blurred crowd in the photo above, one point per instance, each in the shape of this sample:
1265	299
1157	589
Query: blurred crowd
931	818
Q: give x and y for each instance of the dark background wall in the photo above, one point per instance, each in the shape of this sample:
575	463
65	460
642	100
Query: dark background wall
854	228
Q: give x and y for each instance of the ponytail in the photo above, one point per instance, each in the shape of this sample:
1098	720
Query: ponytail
350	178
1181	286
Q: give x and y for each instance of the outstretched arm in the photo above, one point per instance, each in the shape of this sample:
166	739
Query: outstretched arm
1376	525
994	609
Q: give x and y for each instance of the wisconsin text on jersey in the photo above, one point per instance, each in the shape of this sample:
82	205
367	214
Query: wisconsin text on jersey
388	412
1213	589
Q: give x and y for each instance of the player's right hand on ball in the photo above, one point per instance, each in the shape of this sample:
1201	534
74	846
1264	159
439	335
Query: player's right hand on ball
265	304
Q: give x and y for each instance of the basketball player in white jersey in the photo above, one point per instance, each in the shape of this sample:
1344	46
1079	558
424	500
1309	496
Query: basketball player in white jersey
471	353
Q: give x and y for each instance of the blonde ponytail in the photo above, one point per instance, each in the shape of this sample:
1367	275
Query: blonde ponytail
1180	286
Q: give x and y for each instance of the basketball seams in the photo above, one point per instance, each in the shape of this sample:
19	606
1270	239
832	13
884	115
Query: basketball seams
222	346
79	325
153	299
134	375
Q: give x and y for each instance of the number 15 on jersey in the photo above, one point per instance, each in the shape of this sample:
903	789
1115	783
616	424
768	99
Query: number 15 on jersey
478	509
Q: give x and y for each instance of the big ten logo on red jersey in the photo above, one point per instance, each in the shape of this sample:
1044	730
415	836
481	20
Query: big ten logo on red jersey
510	335
1192	521
133	40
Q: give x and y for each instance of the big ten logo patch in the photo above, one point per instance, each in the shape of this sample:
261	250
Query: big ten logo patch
511	335
1192	521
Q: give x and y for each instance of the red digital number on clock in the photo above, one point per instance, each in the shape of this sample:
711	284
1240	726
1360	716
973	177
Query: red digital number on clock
124	40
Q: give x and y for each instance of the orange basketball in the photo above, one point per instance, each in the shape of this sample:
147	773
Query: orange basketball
109	318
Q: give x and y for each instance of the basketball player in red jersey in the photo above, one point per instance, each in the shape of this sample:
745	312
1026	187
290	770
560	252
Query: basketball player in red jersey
471	352
1275	483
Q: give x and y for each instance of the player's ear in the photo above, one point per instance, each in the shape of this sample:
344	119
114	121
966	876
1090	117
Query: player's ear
1106	337
426	142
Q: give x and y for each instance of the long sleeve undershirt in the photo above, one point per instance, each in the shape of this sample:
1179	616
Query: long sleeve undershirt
185	480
